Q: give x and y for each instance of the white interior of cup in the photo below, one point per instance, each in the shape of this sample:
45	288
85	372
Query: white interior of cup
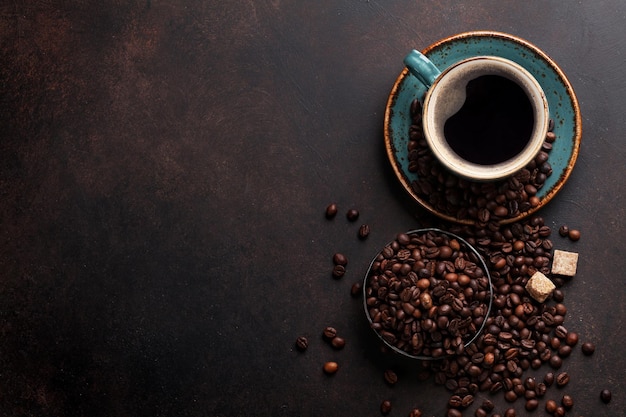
447	95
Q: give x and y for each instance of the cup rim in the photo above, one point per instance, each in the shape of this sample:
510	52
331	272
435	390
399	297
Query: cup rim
477	172
482	265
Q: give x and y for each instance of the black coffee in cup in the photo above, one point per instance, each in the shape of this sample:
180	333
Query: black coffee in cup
494	124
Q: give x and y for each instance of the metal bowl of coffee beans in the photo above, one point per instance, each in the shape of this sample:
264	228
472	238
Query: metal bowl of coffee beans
427	294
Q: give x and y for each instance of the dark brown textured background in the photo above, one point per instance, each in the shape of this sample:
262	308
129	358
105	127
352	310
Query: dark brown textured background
164	169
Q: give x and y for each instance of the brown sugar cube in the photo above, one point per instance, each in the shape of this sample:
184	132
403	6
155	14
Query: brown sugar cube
540	287
564	263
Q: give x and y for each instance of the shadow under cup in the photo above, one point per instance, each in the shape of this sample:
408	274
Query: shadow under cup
485	118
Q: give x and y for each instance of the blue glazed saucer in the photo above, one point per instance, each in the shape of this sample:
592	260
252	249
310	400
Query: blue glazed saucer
564	109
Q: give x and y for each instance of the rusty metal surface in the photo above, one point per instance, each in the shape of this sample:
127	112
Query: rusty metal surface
164	170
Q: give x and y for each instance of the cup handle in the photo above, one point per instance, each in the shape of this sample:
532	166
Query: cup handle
422	68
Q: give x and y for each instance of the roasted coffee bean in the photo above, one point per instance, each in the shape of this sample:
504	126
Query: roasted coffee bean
329	333
588	348
340	259
531	404
331	367
541	389
339	271
480	412
556	362
453	412
455	401
390	377
385	407
548	379
559	412
605	396
302	343
562	379
565	351
356	289
510	412
551	406
352	215
567	402
364	231
488	405
571	339
573	235
467	401
338	342
331	211
416	412
564	230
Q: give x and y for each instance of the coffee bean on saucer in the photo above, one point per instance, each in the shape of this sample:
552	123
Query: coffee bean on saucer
352	215
331	211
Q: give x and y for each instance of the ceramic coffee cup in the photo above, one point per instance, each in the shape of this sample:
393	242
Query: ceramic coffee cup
484	117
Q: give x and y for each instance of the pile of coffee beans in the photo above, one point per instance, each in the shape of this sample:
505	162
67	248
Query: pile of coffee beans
520	333
463	199
426	294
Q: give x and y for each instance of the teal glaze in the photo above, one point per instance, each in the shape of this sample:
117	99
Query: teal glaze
422	68
561	100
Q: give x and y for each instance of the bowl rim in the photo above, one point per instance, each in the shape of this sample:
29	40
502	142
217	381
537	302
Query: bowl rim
483	266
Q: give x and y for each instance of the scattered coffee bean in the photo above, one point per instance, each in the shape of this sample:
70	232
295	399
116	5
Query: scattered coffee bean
390	377
355	290
605	396
331	211
548	379
385	407
331	367
551	406
564	231
338	342
339	271
531	404
480	412
416	412
571	339
454	412
574	235
588	348
352	215
364	231
562	379
567	402
302	343
559	412
510	412
340	259
329	333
